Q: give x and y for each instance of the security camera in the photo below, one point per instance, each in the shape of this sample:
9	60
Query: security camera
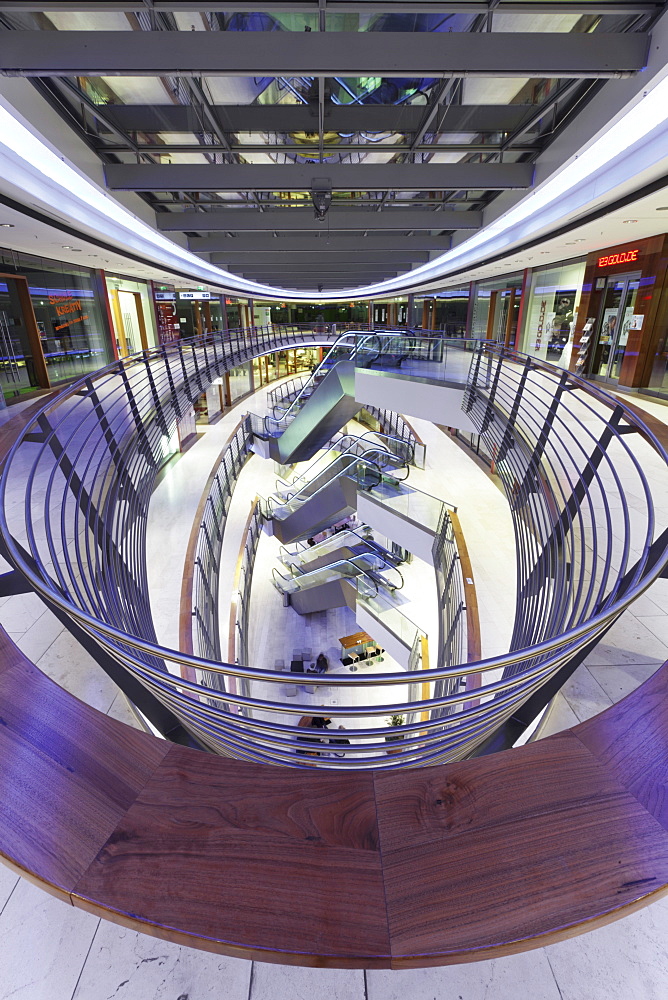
321	196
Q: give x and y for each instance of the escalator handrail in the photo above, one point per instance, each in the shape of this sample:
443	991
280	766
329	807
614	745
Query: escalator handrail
303	481
378	451
370	545
336	346
355	460
391	566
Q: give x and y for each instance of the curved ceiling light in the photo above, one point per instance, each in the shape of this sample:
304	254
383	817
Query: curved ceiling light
31	166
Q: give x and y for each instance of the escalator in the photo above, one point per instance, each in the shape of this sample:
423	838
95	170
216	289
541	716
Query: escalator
326	402
323	588
349	543
323	496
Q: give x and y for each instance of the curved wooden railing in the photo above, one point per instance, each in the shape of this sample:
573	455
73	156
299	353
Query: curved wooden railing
453	863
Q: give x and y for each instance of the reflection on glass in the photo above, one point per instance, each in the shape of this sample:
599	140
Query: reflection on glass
239	382
17	372
615	323
624	325
659	378
72	334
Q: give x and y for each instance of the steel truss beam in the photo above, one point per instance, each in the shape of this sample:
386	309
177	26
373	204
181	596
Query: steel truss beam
283	258
297	220
304	118
324	243
303	177
312	283
322	54
346	266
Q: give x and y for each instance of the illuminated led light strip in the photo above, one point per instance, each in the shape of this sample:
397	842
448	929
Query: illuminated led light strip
46	175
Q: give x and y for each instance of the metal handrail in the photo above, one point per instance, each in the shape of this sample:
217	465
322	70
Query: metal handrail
371	548
116	421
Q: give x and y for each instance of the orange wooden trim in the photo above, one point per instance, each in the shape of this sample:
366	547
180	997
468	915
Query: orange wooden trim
489	334
509	318
231	645
473	640
106	304
32	330
118	322
412	430
141	319
185	607
425	693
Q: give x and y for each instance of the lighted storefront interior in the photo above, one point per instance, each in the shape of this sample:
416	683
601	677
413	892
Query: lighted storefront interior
51	323
132	315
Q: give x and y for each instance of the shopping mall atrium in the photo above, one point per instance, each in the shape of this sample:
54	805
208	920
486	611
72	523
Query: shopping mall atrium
334	500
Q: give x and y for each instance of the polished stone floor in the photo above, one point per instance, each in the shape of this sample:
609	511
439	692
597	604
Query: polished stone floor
50	951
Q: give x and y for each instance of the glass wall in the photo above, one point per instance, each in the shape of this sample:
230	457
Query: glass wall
281	363
240	381
658	380
53	328
551	312
201	316
451	311
495	309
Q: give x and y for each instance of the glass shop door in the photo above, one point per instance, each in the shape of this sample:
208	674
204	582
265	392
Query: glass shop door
616	317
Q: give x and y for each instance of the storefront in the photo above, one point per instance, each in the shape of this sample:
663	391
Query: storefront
495	309
551	308
199	312
52	323
620	334
166	316
132	315
269	367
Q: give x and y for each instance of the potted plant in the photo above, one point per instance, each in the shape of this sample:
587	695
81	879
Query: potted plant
394	720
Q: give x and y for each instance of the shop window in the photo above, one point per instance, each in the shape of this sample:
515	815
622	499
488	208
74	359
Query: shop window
71	337
551	313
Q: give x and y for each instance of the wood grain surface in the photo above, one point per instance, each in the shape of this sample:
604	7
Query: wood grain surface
431	866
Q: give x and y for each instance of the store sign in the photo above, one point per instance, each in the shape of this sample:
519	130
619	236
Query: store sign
618	258
164	296
68	311
194	296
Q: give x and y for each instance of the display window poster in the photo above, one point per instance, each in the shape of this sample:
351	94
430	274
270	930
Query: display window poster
164	300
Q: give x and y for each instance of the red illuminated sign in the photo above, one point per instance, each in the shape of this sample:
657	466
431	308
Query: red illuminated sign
618	258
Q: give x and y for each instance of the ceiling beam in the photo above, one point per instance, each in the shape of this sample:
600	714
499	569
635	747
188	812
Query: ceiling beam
578	55
284	258
327	243
335	6
309	150
348	279
315	268
299	220
304	118
302	177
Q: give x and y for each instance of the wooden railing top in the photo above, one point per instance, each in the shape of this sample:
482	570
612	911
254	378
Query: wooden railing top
459	862
376	869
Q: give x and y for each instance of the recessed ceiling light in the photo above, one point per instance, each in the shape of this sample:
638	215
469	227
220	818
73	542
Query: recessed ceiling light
7	225
626	221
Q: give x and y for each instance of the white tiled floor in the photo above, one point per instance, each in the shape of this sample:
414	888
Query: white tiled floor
50	951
